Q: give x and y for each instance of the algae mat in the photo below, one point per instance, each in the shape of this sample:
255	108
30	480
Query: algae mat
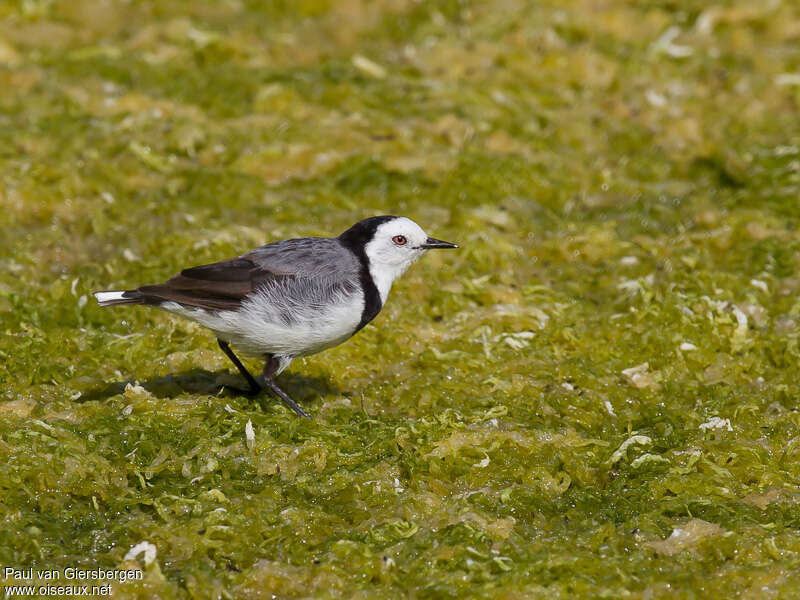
595	397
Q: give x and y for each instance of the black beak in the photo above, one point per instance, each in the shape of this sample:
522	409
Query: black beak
434	243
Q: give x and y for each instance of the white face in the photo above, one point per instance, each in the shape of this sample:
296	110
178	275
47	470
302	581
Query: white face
396	244
394	247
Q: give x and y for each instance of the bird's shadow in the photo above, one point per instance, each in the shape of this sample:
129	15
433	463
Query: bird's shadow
220	383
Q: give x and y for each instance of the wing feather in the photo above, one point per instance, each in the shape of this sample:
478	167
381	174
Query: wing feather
226	284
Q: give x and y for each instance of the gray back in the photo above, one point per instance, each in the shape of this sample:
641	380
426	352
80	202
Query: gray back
306	257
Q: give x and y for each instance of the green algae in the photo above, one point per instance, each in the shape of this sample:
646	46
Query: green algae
594	397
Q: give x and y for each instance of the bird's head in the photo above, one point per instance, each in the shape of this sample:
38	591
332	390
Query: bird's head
391	244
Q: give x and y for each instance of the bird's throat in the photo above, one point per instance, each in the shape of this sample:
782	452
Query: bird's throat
384	275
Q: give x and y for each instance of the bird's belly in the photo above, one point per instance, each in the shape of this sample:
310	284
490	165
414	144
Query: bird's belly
308	330
257	328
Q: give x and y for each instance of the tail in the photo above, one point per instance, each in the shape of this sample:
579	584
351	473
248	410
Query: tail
112	298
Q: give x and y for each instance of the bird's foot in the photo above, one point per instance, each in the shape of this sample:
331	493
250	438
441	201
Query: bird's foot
285	398
249	392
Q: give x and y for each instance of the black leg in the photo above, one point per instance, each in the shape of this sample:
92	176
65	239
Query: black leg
269	379
255	387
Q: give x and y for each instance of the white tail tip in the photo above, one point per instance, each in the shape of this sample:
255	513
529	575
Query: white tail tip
106	297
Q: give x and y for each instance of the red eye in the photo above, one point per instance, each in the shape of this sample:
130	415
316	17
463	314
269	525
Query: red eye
400	240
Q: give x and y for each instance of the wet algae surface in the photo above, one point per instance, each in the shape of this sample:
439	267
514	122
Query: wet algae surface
596	396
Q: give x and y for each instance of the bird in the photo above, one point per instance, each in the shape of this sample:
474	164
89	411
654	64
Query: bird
290	298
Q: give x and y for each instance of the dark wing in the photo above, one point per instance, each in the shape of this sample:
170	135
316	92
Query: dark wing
221	285
224	285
